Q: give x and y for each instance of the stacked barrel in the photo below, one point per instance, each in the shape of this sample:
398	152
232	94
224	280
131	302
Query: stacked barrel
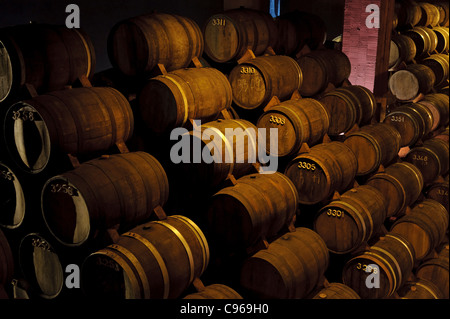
227	160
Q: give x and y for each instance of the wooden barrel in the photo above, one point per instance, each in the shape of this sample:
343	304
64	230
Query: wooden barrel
348	106
48	57
309	29
215	291
259	206
6	261
420	289
12	199
118	189
43	264
156	260
401	185
443	39
408	83
413	122
60	122
137	45
439	192
424	39
438	104
408	12
170	100
436	271
321	67
225	147
290	268
443	8
348	222
336	290
424	227
439	64
374	145
326	168
431	159
403	49
288	39
256	81
430	16
228	35
297	121
391	260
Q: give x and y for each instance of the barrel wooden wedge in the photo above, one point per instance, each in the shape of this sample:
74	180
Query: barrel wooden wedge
297	121
75	121
424	228
155	260
256	81
386	264
326	168
229	34
374	145
48	57
121	189
290	268
171	100
258	207
401	185
350	221
137	45
432	159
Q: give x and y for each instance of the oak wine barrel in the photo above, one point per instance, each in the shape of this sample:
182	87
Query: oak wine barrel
439	192
442	34
439	64
443	8
321	67
156	260
424	39
215	291
6	260
403	49
259	206
374	145
438	104
75	121
348	222
420	289
12	199
408	83
391	260
101	193
430	16
408	12
326	168
290	268
229	34
256	81
413	121
336	290
424	227
224	147
137	45
431	158
49	57
170	100
297	121
436	271
348	106
401	185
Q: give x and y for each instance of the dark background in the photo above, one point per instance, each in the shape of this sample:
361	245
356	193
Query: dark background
97	17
